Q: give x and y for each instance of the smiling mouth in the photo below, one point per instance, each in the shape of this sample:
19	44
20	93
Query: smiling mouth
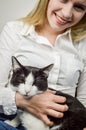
61	20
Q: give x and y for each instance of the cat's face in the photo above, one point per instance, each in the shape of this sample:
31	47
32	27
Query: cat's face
28	80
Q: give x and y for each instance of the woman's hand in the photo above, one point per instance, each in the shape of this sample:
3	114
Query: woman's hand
84	129
43	104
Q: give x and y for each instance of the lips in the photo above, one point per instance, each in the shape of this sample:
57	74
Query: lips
61	20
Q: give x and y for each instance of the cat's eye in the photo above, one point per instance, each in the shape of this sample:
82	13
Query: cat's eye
20	78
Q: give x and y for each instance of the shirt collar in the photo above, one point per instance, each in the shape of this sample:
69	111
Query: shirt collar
30	31
67	34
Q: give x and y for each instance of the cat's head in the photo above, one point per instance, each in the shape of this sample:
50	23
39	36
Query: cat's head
28	80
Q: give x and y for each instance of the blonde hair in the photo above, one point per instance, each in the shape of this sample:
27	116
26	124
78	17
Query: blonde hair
79	30
37	17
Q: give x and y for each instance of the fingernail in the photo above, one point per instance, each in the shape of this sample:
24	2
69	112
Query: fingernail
67	107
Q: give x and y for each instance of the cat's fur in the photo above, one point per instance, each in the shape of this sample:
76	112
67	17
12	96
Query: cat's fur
30	81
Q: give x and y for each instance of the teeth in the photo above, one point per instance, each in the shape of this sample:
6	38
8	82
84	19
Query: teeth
62	20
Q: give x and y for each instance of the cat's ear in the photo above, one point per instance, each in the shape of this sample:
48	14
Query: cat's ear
15	63
47	69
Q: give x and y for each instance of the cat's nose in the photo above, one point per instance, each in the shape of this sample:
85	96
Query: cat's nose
27	92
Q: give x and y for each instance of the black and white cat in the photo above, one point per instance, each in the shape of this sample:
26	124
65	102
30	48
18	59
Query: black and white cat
30	81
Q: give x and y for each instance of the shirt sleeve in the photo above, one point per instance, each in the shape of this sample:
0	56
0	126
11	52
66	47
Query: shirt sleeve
7	103
81	89
8	44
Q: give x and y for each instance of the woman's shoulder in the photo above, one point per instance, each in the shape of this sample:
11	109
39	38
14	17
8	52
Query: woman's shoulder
15	25
10	36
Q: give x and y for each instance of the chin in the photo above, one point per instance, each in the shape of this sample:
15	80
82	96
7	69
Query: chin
31	94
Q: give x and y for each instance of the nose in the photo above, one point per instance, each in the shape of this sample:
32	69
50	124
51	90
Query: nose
27	91
67	11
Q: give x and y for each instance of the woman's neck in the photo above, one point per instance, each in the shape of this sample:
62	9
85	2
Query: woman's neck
48	32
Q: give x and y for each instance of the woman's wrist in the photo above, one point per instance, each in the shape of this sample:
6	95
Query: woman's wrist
20	101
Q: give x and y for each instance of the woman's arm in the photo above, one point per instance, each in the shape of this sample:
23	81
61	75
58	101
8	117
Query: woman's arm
42	105
8	44
81	89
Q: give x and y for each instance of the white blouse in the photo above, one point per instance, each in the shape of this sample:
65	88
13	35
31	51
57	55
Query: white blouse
69	59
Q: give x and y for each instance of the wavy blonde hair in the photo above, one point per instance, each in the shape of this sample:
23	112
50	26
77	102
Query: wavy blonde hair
37	17
79	30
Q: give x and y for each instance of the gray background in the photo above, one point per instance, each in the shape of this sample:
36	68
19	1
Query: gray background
14	9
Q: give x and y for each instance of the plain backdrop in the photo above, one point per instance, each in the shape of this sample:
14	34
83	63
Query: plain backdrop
13	9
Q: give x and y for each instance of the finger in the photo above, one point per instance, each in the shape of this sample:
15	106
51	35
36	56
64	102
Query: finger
59	99
54	113
51	91
41	116
58	107
46	120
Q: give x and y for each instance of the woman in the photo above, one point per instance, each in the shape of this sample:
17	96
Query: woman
54	32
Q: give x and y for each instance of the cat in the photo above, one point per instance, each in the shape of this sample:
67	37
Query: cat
30	81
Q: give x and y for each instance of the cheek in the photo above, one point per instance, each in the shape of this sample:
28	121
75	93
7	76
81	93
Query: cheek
48	12
51	6
14	88
21	89
78	17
